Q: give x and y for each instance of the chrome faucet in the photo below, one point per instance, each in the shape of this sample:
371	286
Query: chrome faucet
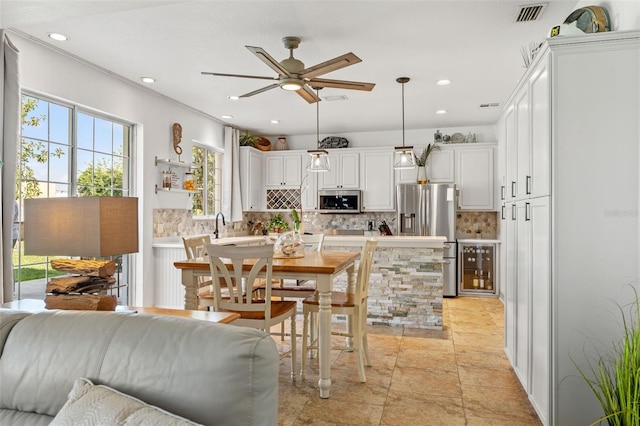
216	232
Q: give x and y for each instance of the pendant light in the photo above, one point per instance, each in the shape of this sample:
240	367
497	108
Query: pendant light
318	158
403	158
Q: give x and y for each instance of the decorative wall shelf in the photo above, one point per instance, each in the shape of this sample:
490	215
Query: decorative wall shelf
167	165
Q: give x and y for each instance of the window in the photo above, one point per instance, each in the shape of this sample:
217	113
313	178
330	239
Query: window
209	201
66	152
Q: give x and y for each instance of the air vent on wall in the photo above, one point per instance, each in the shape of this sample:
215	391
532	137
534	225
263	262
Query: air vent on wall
490	105
530	12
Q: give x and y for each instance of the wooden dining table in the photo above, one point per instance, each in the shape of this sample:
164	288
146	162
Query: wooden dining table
319	266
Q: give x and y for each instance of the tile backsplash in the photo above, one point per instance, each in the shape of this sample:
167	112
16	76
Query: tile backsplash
179	222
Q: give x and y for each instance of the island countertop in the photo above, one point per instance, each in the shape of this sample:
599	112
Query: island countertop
330	240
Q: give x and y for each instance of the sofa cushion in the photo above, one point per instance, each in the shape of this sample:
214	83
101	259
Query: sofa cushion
22	418
210	373
99	405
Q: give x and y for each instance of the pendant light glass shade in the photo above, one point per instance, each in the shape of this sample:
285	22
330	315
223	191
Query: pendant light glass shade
403	158
318	158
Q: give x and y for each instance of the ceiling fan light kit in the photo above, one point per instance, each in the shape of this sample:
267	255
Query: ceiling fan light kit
293	76
404	157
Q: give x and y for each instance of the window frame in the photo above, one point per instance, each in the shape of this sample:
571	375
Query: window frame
204	182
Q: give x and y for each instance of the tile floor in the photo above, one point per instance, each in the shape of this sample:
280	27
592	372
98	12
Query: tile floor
458	376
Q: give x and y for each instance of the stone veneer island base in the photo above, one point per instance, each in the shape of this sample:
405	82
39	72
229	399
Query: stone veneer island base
406	279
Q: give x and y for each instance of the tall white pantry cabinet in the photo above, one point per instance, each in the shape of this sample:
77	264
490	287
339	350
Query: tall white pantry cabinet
569	163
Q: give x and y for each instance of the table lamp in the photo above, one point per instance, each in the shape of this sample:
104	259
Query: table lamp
87	227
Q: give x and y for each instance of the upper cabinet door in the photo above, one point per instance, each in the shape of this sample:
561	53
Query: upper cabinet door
474	170
441	166
283	169
378	188
344	172
523	137
540	152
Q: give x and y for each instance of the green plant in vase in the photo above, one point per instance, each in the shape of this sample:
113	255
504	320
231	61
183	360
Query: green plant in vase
421	161
615	376
296	219
278	224
248	140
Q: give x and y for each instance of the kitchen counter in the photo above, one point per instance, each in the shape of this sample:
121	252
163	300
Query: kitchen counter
478	240
405	283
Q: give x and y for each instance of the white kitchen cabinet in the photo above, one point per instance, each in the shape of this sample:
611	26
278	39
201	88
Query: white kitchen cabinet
251	189
344	171
440	167
310	191
571	260
527	124
282	169
376	175
475	178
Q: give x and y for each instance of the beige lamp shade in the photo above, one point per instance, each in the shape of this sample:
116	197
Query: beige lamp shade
82	226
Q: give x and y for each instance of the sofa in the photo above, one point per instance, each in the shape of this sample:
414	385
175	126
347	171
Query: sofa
81	367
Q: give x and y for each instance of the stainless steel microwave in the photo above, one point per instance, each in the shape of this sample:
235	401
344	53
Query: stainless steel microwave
339	201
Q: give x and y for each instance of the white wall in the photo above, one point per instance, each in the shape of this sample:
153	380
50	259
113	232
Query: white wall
48	72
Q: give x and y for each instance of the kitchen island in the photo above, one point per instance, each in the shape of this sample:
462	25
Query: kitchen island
405	283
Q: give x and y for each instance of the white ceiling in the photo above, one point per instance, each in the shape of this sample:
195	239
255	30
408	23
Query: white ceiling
475	44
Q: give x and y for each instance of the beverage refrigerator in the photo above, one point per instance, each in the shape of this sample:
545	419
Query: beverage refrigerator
430	210
478	268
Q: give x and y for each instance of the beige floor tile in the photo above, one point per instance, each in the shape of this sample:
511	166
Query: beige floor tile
334	412
432	382
457	376
406	408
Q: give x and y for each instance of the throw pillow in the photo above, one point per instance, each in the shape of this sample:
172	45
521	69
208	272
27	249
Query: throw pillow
90	404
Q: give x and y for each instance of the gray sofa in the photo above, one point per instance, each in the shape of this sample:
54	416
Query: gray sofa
205	372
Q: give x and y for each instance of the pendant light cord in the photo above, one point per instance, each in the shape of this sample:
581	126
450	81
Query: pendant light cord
318	119
403	114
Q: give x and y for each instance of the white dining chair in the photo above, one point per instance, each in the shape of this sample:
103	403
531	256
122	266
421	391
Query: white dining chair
342	303
261	313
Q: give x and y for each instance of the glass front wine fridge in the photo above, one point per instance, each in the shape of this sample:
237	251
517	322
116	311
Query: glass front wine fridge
478	269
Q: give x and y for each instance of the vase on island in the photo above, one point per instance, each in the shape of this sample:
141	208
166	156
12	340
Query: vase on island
422	174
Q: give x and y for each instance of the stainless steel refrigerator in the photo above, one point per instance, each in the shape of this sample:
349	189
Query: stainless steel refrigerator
430	210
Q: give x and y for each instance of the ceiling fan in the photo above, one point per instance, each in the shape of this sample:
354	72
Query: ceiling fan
292	75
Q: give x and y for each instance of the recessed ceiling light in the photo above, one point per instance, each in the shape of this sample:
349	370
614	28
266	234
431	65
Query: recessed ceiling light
148	79
233	98
275	121
441	111
58	36
443	82
226	116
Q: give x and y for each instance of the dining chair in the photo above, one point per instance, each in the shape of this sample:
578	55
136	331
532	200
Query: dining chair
261	313
342	303
195	247
299	289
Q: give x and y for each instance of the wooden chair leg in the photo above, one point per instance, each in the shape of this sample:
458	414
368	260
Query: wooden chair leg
293	346
305	342
357	345
365	342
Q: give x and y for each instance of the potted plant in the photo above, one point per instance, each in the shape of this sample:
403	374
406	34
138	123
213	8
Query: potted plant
421	161
278	224
615	375
248	140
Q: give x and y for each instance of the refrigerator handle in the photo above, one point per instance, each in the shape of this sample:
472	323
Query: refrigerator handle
513	212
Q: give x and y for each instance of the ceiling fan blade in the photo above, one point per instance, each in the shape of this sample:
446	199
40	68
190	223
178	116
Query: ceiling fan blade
267	59
264	89
308	95
330	65
341	84
219	74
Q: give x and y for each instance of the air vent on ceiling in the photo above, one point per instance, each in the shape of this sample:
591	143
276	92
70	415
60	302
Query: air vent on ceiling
490	105
335	98
530	12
